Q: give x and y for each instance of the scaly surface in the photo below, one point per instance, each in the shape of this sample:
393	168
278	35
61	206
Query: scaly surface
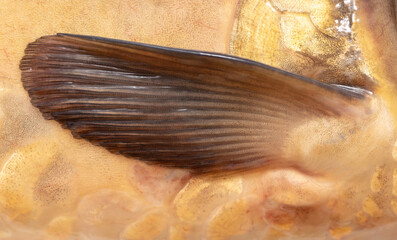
53	186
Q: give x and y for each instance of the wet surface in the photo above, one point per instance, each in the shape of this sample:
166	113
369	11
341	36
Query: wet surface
53	186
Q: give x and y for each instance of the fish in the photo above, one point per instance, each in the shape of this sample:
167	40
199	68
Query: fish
294	141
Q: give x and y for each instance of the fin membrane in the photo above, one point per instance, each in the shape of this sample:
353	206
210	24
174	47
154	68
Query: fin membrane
201	111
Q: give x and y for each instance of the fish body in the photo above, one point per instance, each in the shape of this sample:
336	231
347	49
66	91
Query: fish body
264	153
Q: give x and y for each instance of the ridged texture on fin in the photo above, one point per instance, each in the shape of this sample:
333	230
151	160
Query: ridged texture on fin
202	111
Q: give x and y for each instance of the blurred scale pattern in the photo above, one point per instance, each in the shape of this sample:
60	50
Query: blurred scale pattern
53	186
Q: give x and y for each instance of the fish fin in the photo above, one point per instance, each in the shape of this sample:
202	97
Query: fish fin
201	111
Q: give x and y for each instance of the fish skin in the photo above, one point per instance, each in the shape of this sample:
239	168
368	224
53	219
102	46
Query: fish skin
367	38
282	222
377	26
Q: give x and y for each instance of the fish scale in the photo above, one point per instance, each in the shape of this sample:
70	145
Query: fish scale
101	195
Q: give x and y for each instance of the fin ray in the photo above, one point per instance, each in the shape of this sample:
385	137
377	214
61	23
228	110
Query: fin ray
177	108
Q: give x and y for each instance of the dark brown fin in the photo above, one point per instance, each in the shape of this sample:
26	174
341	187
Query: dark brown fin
202	111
